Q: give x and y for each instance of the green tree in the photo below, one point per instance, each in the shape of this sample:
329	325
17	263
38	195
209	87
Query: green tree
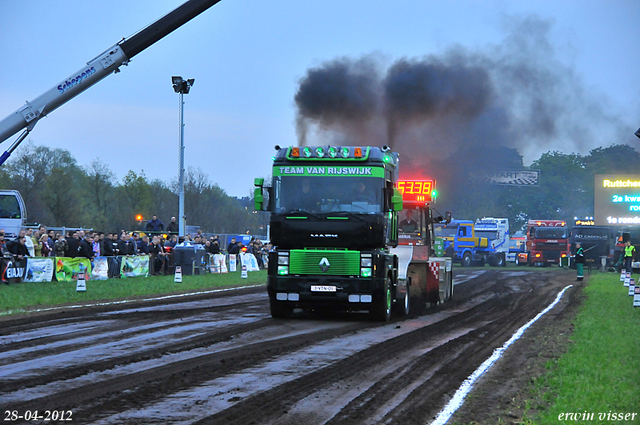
564	190
99	186
134	196
63	198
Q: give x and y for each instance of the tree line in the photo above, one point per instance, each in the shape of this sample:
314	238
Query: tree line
59	192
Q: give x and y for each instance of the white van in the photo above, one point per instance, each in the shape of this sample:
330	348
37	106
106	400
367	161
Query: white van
13	213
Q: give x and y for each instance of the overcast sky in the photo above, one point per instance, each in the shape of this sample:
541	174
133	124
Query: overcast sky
248	58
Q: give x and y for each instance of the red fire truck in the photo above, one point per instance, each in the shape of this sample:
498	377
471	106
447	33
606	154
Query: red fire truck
546	242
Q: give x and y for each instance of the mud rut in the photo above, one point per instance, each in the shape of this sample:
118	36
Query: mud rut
222	359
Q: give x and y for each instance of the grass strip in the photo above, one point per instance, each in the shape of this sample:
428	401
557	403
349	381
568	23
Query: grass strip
598	379
18	298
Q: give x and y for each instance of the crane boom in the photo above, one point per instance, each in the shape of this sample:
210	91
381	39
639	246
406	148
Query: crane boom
95	70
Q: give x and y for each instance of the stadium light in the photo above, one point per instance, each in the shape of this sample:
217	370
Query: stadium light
182	87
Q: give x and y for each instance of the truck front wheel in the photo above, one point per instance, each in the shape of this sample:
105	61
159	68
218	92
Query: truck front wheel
381	308
466	260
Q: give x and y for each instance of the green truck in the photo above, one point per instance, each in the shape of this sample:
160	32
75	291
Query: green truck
333	226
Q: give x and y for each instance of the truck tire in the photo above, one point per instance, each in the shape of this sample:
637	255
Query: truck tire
402	307
280	309
381	308
499	260
467	259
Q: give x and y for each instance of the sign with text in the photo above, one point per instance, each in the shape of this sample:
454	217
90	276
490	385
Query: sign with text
617	199
416	191
508	177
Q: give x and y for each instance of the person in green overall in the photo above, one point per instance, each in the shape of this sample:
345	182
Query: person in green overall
629	253
579	260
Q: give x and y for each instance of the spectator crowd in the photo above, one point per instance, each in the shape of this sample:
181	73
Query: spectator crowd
41	242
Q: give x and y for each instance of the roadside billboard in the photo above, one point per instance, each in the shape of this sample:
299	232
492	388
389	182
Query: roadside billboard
617	199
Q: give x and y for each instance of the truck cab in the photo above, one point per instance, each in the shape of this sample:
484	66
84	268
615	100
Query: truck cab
461	243
547	242
333	219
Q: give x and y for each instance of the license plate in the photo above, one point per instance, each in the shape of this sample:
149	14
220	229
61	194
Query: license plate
322	288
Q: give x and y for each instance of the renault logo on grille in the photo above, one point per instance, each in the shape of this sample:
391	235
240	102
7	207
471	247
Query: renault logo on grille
324	264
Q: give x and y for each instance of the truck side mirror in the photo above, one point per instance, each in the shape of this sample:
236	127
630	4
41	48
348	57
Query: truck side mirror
396	200
447	217
258	199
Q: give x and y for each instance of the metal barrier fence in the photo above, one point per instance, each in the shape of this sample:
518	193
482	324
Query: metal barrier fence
47	269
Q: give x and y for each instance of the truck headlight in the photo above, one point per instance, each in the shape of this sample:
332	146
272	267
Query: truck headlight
283	270
365	262
283	258
365	272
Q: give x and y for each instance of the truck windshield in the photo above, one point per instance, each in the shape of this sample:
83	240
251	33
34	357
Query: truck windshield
550	232
442	230
489	234
325	194
9	207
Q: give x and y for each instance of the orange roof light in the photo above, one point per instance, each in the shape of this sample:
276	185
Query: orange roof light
295	152
357	152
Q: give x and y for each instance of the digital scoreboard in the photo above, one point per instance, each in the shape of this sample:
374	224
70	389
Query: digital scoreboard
617	199
416	192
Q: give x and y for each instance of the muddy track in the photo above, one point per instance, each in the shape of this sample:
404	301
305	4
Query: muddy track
220	358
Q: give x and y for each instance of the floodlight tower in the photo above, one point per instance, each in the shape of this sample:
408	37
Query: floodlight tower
182	87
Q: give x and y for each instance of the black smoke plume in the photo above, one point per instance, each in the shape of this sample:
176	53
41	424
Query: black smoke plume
516	100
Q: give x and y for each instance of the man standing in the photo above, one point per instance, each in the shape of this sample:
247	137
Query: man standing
19	249
579	261
143	245
124	245
629	253
86	247
155	225
173	226
107	246
231	246
73	245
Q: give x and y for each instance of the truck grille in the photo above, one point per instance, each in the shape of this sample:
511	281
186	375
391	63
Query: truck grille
341	262
550	255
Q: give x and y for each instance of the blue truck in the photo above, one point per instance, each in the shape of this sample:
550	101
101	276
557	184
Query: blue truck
476	243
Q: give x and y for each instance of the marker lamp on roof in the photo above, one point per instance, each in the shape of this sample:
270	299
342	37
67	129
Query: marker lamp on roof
320	152
307	152
345	152
333	152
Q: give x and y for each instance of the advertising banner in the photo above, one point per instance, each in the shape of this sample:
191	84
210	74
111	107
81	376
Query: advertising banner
232	262
250	261
135	266
39	269
12	271
67	269
100	269
219	264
